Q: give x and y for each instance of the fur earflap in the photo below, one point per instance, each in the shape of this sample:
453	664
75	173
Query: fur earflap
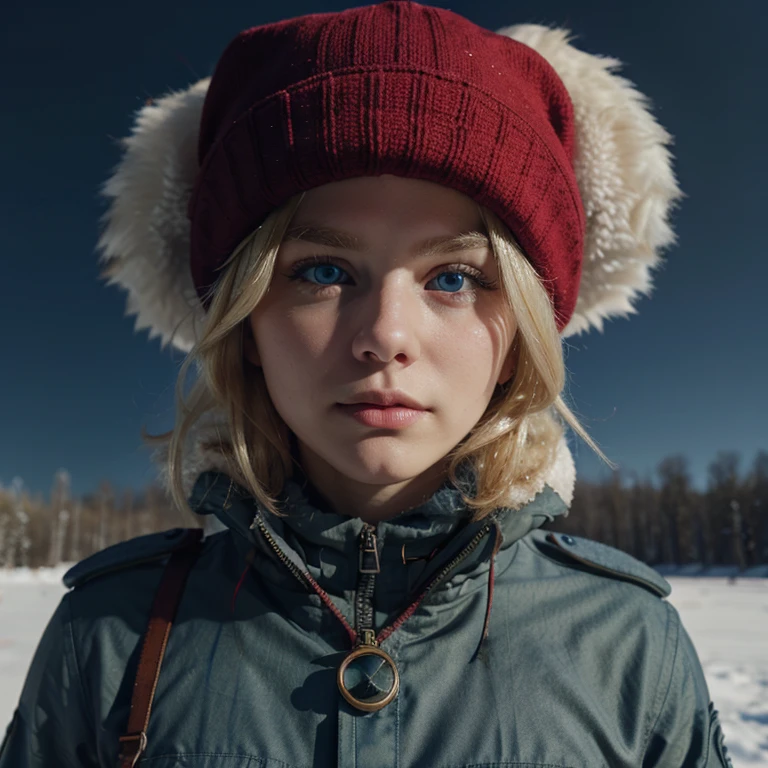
145	243
624	173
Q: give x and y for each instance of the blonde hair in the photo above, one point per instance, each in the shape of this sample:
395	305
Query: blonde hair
514	440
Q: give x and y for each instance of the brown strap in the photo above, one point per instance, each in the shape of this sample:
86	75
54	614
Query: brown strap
167	598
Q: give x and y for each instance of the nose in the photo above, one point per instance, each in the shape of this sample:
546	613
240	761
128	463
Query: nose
387	322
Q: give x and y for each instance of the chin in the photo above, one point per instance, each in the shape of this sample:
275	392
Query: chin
380	467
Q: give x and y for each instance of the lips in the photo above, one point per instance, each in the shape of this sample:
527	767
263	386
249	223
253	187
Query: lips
385	399
383	416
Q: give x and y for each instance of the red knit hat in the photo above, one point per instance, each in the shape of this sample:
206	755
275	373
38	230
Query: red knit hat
397	88
512	118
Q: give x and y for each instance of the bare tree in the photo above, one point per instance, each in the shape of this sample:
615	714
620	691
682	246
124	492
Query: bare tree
74	551
128	514
725	489
18	543
106	510
61	501
756	510
643	499
676	510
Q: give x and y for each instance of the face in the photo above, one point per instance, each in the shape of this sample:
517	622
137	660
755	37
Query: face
380	349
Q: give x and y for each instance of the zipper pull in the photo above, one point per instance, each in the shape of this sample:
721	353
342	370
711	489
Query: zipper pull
369	551
367	637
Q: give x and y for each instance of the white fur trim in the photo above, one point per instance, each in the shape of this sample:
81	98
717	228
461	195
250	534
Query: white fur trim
624	173
561	475
145	244
200	451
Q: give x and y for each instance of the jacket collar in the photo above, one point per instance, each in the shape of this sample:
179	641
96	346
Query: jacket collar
413	547
326	544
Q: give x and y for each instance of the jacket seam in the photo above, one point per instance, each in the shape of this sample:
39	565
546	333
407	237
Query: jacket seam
88	711
676	626
569	566
354	739
589	569
251	758
395	649
397	731
508	764
621	572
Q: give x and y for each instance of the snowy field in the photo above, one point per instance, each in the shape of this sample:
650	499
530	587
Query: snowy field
727	622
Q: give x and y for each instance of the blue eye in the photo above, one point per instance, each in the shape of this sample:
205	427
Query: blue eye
318	272
451	281
321	272
324	274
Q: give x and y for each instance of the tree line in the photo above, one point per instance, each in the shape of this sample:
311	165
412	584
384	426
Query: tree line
665	520
659	519
35	532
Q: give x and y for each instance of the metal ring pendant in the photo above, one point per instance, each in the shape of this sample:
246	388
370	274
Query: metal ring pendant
368	678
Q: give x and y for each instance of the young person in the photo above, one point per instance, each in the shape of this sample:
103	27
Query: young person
371	231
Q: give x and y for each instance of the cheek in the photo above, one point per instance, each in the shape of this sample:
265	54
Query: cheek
472	354
290	342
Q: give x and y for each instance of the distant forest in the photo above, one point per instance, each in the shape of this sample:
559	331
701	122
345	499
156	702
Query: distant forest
658	519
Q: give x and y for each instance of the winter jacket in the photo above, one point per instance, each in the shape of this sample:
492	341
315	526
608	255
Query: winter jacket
528	648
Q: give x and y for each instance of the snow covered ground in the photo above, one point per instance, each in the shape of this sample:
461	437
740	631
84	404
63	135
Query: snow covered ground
727	622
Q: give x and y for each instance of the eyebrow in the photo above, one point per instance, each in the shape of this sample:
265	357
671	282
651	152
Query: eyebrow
334	238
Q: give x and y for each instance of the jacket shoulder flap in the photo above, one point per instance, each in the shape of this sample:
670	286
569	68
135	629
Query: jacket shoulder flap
142	549
599	558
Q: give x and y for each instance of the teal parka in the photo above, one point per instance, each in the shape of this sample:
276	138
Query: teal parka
584	662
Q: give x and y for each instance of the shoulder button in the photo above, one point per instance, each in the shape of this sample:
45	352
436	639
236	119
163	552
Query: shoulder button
142	549
607	560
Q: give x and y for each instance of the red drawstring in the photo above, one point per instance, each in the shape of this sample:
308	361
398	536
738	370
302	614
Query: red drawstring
315	586
387	631
323	595
498	539
248	561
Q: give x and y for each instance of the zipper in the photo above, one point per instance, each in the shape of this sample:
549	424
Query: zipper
258	522
444	571
459	558
369	567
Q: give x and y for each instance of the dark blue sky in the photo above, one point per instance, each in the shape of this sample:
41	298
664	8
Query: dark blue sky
687	374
